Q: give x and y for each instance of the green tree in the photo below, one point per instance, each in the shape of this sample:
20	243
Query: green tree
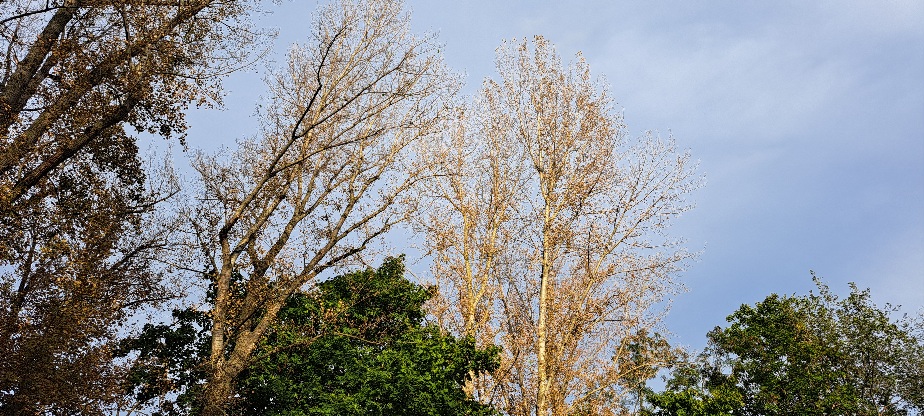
694	391
808	355
356	345
360	347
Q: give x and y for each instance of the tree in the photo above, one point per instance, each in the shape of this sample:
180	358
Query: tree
166	372
375	357
331	171
695	389
355	345
547	234
77	228
470	229
74	71
812	355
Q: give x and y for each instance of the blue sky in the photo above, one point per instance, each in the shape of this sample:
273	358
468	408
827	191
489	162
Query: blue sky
807	119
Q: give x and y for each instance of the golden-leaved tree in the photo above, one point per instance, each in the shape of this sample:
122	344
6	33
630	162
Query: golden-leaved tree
77	233
548	233
332	169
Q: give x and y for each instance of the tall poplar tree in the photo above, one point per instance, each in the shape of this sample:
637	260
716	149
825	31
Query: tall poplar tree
548	234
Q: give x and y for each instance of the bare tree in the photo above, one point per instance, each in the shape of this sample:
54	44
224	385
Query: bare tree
77	229
332	170
549	237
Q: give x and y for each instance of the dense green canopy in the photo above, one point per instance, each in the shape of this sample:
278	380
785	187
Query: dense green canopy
360	348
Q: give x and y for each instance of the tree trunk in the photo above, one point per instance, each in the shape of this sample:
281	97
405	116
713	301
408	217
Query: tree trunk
223	372
218	388
216	394
542	397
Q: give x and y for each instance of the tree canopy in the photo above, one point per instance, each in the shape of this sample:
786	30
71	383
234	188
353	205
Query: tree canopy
560	253
546	225
80	81
810	355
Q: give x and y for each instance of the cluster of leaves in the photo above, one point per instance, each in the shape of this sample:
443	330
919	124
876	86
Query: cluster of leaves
356	345
808	355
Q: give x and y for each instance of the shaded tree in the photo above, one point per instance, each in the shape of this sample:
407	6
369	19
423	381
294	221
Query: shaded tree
77	228
166	373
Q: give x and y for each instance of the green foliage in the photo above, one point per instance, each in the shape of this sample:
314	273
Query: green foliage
356	345
696	390
168	371
808	355
359	347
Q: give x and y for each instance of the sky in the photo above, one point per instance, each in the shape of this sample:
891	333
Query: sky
807	119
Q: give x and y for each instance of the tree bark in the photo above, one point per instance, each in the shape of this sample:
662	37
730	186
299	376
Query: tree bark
216	394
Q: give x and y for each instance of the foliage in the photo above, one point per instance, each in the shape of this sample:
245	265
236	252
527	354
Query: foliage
356	345
811	355
77	232
696	389
166	374
373	358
